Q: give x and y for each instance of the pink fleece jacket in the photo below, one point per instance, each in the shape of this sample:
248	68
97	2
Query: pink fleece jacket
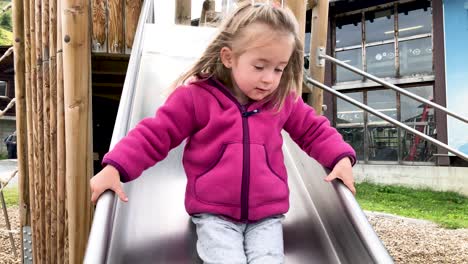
233	157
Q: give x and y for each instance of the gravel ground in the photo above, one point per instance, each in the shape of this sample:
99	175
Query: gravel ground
407	240
418	241
6	253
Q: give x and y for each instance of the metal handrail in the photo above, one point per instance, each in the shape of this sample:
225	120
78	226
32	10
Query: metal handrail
321	55
384	117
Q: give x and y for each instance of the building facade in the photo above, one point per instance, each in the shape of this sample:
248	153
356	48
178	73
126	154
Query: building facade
403	43
416	45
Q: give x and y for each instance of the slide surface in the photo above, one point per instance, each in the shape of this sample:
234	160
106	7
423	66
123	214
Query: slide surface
323	225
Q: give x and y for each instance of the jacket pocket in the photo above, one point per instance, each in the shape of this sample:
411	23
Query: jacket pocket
266	185
221	183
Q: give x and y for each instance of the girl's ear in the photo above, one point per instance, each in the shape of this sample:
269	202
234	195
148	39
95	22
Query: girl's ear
226	57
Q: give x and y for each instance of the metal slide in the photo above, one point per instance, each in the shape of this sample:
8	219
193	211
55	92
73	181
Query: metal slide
324	224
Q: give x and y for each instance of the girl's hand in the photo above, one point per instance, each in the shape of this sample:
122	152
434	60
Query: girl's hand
107	178
343	170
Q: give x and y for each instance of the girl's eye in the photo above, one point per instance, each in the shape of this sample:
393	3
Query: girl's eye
258	67
279	70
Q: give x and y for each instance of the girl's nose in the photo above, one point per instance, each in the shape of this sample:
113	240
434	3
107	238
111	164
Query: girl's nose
268	77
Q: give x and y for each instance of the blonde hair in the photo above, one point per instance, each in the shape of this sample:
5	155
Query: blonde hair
278	19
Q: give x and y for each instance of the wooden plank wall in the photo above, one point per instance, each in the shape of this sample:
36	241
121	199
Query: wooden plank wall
114	25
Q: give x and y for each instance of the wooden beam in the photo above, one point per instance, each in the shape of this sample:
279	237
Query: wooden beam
319	28
76	74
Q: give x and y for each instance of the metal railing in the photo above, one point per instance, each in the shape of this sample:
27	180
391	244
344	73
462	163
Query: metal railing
96	251
321	56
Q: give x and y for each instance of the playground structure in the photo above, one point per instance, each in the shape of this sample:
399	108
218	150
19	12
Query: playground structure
54	43
324	225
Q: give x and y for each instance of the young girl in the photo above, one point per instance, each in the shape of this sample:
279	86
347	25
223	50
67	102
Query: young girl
239	96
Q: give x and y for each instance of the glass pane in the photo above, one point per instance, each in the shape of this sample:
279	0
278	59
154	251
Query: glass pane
348	31
380	25
383	143
381	60
416	57
414	18
410	108
420	117
355	137
383	101
3	88
348	113
352	57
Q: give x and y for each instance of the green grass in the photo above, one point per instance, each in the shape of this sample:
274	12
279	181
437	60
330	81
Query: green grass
11	196
448	209
6	34
6	37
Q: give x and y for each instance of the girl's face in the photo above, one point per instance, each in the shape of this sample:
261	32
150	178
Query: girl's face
256	73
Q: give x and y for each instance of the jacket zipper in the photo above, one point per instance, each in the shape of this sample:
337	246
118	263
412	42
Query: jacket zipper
246	162
245	184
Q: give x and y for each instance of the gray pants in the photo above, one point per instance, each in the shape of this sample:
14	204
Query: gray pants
223	241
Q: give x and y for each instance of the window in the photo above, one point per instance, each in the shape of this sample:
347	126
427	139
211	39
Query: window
378	141
382	136
393	41
3	88
420	117
350	123
349	46
371	39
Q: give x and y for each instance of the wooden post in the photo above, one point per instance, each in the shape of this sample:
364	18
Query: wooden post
53	128
39	136
99	25
76	73
183	12
116	36
46	124
35	212
319	28
21	117
132	14
206	16
299	10
62	220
